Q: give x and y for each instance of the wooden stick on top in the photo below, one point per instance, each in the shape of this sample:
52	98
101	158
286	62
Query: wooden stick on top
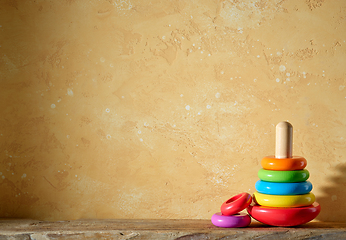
284	136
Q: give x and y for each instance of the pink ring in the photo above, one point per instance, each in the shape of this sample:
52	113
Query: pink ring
236	204
234	221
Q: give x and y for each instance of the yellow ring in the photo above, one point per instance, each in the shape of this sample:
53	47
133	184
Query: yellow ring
284	200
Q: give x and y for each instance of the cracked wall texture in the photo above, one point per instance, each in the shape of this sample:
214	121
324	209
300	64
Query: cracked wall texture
165	108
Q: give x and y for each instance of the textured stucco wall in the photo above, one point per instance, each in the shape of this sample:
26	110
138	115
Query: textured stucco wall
164	109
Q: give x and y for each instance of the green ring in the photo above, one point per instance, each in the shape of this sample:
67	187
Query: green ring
283	176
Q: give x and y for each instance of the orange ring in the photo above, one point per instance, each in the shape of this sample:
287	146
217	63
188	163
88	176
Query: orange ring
283	164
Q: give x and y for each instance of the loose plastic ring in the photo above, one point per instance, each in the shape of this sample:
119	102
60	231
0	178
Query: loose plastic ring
236	204
283	176
283	164
234	221
274	188
284	217
284	200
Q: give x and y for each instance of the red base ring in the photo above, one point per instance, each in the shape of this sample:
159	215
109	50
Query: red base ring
236	204
284	217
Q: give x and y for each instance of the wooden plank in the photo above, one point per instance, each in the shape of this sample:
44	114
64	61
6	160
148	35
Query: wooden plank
161	229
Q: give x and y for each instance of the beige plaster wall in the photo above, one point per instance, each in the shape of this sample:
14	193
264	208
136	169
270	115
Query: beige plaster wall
164	109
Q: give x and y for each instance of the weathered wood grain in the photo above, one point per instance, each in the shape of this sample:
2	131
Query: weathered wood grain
160	229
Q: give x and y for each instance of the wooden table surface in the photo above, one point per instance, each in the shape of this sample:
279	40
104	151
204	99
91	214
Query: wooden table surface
161	229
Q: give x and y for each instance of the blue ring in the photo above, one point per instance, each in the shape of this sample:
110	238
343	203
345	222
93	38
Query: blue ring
274	188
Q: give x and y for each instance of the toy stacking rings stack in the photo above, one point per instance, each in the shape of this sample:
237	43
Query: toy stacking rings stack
229	217
283	196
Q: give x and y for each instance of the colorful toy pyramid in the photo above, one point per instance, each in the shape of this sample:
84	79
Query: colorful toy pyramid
283	196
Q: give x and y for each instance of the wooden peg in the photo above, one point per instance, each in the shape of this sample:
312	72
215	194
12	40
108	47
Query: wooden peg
284	136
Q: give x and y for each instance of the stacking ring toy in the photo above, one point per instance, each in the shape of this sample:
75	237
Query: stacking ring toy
233	221
283	176
284	217
283	164
274	188
236	204
284	200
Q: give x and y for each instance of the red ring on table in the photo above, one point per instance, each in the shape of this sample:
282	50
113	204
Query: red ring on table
236	204
284	217
234	221
283	164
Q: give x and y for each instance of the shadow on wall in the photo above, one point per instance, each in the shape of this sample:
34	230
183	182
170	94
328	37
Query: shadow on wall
333	204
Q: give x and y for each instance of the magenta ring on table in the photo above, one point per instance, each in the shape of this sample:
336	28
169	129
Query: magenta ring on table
233	221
